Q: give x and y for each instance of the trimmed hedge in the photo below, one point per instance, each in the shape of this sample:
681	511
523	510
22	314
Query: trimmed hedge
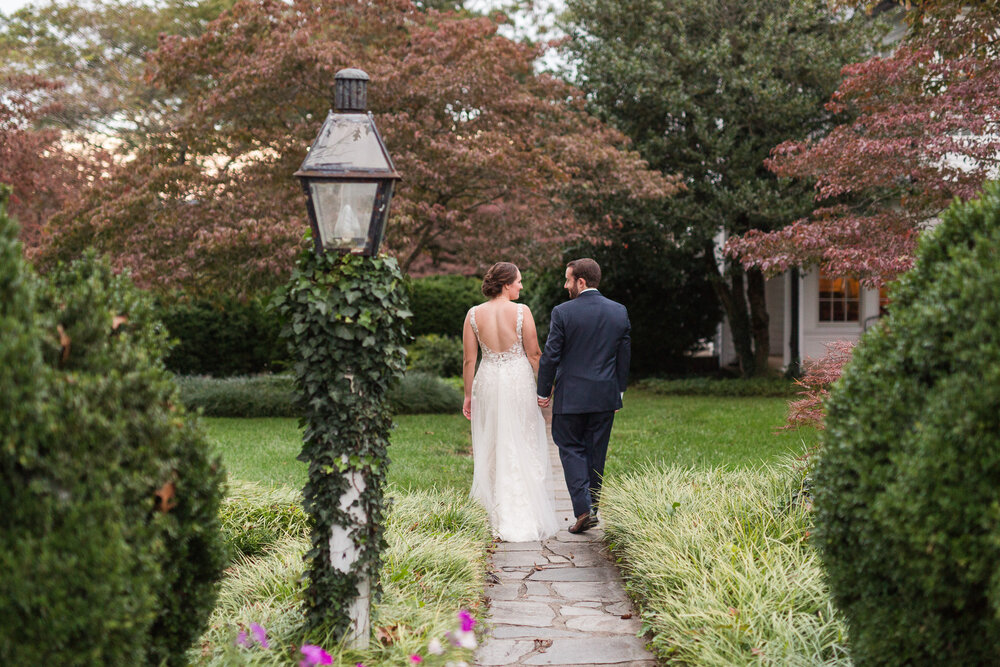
223	336
109	504
228	337
419	393
439	303
907	481
254	396
274	395
435	355
728	387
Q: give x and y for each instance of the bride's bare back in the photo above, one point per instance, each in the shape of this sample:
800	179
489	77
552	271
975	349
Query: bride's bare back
497	323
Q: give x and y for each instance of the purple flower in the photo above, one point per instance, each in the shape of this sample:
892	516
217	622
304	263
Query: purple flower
315	656
467	621
241	639
260	634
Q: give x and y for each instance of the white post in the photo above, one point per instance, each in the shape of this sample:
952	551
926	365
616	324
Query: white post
344	553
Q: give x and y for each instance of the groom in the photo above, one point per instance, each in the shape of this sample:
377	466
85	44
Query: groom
587	356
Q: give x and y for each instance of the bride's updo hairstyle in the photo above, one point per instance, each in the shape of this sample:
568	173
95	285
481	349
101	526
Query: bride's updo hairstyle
499	275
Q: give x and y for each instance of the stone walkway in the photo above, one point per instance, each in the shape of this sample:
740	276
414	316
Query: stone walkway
561	601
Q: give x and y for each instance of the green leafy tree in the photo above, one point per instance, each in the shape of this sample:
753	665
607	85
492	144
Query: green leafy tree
706	88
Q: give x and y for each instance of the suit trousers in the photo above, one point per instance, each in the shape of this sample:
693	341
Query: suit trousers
583	446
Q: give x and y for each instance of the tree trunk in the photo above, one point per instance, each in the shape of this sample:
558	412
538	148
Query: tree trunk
734	303
759	320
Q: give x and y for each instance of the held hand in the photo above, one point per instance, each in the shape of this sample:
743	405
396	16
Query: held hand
544	402
467	408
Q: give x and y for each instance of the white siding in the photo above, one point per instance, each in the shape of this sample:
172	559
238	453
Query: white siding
815	335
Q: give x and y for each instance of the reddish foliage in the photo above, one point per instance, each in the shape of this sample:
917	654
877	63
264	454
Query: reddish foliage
498	162
927	130
820	374
42	173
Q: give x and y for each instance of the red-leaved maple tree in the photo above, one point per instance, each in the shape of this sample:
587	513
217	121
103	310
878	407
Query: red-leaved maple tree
498	162
33	161
927	130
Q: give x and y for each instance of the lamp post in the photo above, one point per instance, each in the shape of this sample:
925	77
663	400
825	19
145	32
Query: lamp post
346	308
348	175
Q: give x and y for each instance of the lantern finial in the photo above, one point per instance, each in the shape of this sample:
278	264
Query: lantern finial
350	91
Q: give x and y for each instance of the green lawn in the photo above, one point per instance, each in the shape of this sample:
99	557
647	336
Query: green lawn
433	450
701	431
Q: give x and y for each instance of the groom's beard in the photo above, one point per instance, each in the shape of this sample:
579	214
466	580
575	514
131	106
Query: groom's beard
573	292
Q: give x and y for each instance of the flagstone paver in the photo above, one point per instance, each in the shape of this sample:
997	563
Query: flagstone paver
560	602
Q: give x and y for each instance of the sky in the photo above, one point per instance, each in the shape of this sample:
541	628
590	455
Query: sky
7	6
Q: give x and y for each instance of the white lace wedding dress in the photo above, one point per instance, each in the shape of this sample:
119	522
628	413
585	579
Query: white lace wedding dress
511	475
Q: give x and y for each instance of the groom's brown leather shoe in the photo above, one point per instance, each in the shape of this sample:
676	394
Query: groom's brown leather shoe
583	522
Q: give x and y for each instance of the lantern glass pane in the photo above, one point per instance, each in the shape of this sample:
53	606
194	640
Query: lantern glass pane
343	213
346	142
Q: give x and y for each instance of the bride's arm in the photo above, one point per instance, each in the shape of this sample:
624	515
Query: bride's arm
470	349
530	335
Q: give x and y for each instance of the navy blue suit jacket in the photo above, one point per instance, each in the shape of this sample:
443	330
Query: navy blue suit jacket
586	355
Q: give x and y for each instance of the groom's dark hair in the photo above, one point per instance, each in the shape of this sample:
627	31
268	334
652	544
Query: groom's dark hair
587	269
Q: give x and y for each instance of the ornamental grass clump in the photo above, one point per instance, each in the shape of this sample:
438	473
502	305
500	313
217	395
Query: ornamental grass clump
431	570
907	481
721	566
111	548
256	517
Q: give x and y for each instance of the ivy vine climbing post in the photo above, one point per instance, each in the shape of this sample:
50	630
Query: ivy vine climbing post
345	309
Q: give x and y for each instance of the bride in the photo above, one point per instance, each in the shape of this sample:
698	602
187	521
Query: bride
511	471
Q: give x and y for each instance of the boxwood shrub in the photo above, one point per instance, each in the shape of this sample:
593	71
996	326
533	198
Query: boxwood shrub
439	303
222	336
111	547
907	482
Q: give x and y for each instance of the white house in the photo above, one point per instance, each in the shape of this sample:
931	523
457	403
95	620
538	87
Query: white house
807	311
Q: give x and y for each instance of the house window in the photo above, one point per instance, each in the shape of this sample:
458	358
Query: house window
839	299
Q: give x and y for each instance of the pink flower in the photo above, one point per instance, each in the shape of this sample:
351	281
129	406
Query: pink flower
260	634
416	659
241	639
315	655
467	621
